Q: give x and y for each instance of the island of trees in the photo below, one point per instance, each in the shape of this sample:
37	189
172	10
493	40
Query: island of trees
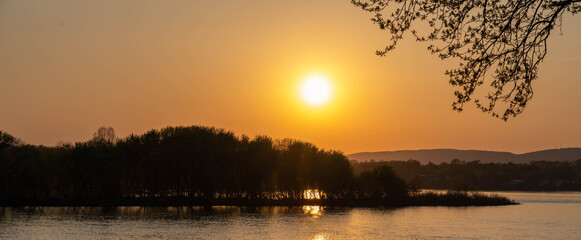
198	165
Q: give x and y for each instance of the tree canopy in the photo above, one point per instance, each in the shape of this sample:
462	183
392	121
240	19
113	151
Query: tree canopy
196	165
498	42
192	164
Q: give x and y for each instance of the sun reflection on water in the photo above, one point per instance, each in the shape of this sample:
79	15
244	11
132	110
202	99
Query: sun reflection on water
320	236
315	211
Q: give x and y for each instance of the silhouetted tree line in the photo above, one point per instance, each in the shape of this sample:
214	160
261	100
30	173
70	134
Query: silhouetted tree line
183	164
461	175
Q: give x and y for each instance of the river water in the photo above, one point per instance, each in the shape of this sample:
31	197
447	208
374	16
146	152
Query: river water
539	216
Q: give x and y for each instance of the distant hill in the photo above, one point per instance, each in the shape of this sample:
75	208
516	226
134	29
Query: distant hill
446	155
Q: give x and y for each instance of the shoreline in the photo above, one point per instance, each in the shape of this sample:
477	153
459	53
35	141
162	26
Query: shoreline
459	199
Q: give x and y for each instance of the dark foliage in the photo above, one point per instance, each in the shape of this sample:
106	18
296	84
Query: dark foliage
182	165
460	175
458	198
381	183
198	166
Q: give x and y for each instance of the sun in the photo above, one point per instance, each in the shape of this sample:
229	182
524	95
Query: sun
316	90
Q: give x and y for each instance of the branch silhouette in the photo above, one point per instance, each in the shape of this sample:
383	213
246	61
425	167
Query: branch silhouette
499	42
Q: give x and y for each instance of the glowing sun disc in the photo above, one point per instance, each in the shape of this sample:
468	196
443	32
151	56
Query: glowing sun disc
316	90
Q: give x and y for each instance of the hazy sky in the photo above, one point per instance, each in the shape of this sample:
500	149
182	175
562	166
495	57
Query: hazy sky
69	67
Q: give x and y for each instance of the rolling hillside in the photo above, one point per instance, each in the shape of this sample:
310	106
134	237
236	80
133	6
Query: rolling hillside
446	155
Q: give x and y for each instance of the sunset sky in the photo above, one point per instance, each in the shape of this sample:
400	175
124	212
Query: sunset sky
69	67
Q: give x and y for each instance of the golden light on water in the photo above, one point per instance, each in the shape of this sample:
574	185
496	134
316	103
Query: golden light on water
320	236
316	90
315	211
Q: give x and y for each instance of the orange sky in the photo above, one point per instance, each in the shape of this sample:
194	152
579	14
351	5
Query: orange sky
69	67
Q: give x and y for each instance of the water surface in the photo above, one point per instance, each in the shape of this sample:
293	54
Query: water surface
540	216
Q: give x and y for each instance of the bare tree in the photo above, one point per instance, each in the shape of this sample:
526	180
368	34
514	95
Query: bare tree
500	39
105	134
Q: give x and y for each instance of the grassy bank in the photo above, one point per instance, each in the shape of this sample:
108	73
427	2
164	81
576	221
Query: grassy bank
414	199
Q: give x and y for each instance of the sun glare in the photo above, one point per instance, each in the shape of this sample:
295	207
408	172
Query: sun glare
316	90
312	194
